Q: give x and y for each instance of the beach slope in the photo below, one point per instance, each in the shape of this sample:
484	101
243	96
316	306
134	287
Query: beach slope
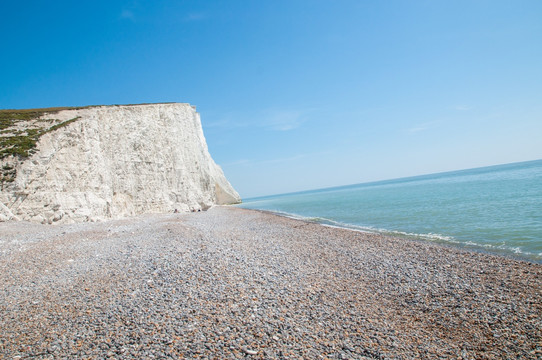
232	283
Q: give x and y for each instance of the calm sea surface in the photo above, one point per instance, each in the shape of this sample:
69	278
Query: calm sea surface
497	209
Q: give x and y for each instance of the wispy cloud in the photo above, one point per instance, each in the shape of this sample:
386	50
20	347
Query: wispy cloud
238	162
197	16
227	122
243	162
462	107
127	14
423	126
416	129
286	159
284	120
194	17
271	119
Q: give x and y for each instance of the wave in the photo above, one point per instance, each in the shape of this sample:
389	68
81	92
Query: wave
502	249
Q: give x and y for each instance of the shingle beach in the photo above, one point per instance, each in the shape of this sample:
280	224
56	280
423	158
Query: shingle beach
231	283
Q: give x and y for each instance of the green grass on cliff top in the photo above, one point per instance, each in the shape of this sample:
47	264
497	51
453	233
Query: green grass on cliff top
9	117
22	142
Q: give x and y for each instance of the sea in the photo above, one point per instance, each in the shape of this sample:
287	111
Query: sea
495	209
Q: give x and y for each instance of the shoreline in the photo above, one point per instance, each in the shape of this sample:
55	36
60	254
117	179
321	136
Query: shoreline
438	239
238	283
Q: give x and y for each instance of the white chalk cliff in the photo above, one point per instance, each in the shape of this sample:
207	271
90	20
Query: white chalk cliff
113	162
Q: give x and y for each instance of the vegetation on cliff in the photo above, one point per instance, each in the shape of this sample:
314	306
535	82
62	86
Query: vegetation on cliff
20	131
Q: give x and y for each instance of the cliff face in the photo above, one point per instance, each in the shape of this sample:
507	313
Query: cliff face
115	161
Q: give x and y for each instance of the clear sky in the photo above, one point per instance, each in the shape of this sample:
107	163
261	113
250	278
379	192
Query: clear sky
298	95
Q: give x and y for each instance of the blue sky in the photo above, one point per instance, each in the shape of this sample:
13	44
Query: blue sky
298	95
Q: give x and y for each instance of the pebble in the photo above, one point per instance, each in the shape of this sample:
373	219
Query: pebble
250	352
231	283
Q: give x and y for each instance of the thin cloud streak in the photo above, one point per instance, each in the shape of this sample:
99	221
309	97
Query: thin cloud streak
423	126
244	162
226	124
281	160
195	16
127	14
285	120
238	162
462	107
272	120
277	160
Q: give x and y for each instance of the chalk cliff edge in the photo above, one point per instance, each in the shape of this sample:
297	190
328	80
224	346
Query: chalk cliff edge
111	162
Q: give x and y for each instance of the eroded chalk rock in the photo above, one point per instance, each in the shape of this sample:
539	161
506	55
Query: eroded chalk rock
115	161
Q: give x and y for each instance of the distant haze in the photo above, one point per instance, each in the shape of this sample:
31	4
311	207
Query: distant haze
298	95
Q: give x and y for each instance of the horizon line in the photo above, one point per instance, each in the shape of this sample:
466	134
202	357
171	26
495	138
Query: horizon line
413	177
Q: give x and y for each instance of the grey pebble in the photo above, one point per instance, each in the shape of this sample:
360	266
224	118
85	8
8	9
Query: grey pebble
232	283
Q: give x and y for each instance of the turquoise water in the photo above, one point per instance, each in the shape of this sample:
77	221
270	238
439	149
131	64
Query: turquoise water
497	209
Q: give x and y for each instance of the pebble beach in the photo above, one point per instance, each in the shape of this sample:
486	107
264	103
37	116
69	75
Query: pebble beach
231	283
